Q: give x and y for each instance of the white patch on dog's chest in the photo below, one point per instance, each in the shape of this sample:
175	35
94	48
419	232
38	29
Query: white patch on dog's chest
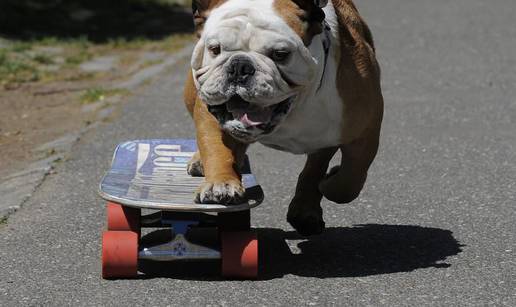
316	124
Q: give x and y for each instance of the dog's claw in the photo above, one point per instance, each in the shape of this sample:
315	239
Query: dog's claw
229	192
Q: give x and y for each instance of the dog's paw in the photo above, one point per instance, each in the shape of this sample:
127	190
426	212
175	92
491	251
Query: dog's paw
227	192
306	219
194	167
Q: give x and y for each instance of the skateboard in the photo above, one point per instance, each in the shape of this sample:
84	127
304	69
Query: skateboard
147	188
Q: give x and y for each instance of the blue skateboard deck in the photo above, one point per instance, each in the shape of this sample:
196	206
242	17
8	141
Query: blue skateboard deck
152	174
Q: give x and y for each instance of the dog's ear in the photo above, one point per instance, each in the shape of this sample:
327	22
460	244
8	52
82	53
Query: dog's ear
313	17
200	10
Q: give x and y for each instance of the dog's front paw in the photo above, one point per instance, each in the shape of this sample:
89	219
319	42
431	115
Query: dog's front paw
306	218
228	192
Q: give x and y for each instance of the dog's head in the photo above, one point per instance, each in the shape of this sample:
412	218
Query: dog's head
252	60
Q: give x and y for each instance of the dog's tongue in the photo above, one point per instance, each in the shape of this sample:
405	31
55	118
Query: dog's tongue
253	118
244	119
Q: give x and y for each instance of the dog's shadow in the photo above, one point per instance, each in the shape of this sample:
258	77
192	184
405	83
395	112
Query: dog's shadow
361	250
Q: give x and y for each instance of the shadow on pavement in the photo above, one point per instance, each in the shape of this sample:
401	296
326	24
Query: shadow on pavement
362	250
96	20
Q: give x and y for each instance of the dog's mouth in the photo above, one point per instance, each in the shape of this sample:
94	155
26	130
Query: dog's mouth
247	117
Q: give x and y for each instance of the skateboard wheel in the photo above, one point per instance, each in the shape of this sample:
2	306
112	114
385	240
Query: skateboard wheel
239	254
122	218
119	254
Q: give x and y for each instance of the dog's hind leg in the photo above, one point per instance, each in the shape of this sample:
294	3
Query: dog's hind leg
305	212
343	183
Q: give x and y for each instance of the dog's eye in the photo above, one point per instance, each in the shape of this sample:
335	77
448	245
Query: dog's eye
215	49
280	55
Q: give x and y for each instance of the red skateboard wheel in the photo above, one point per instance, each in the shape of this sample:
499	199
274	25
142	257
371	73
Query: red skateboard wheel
119	254
239	254
122	218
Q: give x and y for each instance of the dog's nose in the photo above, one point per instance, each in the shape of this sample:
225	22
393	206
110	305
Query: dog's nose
240	70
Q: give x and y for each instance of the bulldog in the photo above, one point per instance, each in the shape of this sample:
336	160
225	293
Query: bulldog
296	75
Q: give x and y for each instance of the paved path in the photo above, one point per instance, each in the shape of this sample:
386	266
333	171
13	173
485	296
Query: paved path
435	224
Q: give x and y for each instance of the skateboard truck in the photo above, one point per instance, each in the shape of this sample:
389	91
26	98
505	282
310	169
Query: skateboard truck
179	247
151	174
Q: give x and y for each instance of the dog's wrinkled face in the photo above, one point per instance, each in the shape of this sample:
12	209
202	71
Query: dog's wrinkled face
249	65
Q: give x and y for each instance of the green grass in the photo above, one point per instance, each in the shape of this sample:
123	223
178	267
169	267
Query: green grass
81	76
3	220
44	59
20	62
92	95
78	58
21	46
3	57
23	61
17	69
18	66
169	43
98	94
122	42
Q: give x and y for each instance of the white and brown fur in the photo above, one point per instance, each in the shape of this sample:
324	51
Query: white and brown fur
344	113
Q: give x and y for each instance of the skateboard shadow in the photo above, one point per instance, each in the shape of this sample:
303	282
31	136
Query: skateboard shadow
361	250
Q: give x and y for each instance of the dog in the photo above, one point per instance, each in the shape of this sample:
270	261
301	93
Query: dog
299	76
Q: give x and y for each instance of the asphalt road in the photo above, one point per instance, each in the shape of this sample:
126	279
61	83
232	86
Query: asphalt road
435	225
